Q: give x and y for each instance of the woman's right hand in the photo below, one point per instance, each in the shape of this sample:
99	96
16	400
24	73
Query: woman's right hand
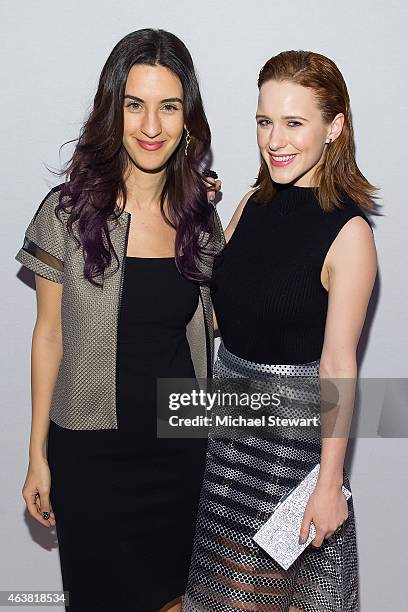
36	491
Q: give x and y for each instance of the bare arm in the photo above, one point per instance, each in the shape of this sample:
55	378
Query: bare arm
46	353
215	322
352	267
237	215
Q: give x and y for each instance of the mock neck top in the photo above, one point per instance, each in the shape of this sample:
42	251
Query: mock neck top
268	298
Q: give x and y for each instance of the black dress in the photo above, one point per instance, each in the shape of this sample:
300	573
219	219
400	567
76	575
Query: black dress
125	501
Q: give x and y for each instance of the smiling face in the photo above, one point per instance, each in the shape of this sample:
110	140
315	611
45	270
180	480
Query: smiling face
153	116
291	132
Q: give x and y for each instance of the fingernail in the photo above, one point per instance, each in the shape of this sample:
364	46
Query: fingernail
300	540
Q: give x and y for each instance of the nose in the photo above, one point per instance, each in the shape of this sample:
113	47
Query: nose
151	125
277	139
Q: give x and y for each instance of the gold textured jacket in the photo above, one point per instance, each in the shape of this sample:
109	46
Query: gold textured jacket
84	395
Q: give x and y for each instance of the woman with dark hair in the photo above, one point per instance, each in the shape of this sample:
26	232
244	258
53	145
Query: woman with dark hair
122	252
290	293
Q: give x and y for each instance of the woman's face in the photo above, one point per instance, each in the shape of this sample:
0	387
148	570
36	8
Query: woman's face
153	116
291	133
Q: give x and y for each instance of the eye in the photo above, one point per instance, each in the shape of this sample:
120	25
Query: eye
294	122
263	122
169	107
133	105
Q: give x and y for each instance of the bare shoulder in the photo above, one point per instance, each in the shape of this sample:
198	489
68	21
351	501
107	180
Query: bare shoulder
353	244
237	214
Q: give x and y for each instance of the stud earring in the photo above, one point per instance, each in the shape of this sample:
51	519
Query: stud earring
328	141
188	139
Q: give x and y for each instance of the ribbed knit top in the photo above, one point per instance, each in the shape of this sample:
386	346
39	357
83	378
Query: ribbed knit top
268	298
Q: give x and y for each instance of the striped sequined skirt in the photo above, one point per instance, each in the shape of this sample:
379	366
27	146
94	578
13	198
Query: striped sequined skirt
248	471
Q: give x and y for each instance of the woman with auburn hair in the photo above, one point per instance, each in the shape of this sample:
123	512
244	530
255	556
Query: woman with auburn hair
122	253
290	293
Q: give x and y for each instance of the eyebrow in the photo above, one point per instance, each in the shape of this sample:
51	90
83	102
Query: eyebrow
286	117
136	99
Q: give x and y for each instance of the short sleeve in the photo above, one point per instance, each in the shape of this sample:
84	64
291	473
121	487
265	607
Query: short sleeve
43	249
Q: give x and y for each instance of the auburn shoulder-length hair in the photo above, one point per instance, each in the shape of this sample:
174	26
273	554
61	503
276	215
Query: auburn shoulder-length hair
96	172
339	172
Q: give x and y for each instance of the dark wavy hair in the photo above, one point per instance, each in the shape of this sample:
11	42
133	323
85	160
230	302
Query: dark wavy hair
95	174
339	172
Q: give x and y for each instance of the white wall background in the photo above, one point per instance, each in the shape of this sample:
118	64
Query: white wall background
51	57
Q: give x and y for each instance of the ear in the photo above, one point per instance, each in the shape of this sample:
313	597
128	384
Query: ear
336	127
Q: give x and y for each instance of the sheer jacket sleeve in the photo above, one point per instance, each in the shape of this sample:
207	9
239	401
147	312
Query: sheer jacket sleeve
43	249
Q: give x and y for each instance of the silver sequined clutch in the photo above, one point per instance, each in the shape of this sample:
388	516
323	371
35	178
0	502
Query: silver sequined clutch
279	536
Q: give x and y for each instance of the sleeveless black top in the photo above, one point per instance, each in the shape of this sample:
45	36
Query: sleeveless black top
157	304
268	298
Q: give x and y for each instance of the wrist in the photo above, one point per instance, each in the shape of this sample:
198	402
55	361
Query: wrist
37	448
332	484
37	454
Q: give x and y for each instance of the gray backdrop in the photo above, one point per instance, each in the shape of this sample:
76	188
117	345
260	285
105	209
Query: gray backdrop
52	54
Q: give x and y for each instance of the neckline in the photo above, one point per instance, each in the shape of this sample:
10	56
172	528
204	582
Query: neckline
283	187
148	258
288	198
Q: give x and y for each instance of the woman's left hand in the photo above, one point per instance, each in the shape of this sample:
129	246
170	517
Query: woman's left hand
328	509
213	187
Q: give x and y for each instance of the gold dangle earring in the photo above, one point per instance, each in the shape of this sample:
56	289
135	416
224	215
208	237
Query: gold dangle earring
188	139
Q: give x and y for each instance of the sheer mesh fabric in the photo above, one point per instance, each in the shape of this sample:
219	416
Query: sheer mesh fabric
44	245
245	478
43	256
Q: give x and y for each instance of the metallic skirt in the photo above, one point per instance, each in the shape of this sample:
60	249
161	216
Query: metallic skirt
248	471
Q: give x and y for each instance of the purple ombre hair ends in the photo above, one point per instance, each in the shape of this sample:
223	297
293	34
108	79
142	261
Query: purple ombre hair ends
95	174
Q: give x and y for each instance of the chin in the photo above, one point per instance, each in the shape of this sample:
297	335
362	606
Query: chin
282	178
282	181
150	165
